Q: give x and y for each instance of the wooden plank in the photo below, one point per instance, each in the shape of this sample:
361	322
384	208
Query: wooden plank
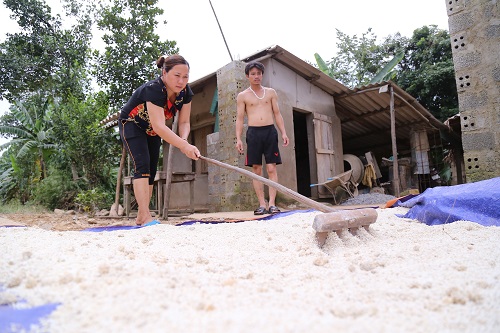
323	140
325	151
370	158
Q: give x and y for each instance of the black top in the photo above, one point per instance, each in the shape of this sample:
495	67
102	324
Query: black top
155	92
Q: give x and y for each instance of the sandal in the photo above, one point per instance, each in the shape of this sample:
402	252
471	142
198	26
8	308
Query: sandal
274	210
260	211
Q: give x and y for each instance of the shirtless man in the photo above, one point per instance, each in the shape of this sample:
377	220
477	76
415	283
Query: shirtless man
261	107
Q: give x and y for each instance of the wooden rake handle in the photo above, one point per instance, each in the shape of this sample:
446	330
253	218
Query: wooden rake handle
285	190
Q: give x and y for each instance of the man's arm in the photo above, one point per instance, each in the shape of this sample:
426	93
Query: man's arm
240	116
278	117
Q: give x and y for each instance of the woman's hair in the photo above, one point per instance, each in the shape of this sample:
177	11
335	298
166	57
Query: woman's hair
167	62
254	64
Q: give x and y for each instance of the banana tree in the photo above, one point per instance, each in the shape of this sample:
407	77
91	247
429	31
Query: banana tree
385	74
322	65
32	133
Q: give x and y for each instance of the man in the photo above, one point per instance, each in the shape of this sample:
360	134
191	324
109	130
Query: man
261	107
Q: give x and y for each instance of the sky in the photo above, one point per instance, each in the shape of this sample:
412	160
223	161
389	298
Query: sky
301	27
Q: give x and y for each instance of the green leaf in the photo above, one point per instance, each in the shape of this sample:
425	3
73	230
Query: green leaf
386	71
322	64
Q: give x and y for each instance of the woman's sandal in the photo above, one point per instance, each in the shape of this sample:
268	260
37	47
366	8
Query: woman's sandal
274	210
260	211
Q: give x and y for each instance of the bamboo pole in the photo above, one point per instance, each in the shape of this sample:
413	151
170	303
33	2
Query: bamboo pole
395	165
119	179
168	172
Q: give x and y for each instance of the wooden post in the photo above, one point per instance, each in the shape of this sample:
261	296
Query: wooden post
168	171
119	179
395	166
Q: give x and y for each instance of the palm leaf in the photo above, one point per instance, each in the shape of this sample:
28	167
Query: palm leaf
387	68
26	148
322	64
22	114
16	131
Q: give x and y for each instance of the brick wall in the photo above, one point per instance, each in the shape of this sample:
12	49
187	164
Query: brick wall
474	28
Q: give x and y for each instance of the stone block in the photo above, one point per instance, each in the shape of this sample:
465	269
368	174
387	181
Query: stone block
480	164
472	101
478	141
212	138
474	121
496	74
466	60
493	31
460	22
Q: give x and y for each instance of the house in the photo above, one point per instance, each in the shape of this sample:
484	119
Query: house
331	128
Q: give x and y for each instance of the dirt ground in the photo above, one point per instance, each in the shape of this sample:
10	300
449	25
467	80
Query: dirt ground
75	221
70	220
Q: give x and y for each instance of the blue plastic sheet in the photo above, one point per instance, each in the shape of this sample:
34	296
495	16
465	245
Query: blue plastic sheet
122	227
17	320
113	228
477	202
267	217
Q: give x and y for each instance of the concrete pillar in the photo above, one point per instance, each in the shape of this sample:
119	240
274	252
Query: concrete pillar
474	28
228	190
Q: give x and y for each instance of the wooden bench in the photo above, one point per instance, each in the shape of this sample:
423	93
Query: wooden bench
162	203
177	177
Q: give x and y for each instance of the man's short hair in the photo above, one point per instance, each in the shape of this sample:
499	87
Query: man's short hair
254	64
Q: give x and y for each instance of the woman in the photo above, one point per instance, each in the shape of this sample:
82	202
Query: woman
142	126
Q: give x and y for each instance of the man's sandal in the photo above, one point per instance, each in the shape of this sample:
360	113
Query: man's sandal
274	210
260	211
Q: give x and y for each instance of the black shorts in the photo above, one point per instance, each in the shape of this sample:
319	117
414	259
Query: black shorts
262	141
143	149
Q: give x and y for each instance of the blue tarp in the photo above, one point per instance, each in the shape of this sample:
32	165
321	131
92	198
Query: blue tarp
113	228
17	320
267	217
477	202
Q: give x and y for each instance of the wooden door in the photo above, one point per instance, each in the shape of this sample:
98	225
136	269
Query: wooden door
325	155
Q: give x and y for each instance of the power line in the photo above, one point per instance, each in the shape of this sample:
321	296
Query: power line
221	31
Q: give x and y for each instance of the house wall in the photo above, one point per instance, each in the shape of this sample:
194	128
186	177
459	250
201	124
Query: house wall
475	39
230	191
296	93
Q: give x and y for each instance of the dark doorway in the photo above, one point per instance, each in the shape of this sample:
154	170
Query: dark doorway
302	153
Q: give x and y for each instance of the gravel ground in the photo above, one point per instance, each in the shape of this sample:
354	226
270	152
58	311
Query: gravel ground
368	199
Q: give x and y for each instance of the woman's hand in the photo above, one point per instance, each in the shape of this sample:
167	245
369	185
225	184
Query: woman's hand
190	151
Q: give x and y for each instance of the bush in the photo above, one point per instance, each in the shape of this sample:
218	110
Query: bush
91	201
56	191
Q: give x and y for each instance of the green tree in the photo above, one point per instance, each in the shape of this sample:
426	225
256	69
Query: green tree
132	47
427	72
16	180
32	134
424	65
358	59
8	181
88	151
44	56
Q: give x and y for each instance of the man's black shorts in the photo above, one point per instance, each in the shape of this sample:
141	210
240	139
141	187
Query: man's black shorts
262	141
